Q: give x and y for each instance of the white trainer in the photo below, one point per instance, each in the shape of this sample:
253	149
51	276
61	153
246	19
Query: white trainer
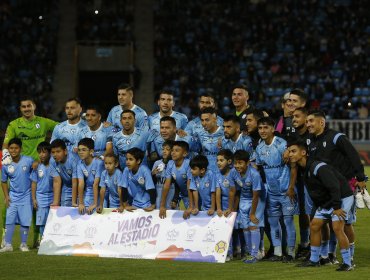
261	254
360	200
6	248
24	248
366	198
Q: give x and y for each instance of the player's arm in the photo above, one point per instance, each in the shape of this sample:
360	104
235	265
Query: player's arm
195	195
293	179
232	192
252	215
57	189
75	186
81	188
100	207
33	193
166	188
150	188
211	210
91	208
218	202
126	205
4	186
120	195
236	200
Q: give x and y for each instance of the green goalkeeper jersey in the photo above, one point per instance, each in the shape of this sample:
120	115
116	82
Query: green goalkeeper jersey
31	132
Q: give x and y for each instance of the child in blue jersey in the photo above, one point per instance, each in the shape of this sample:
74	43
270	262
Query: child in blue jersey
158	173
64	173
225	190
17	195
137	182
202	184
89	170
251	203
269	157
109	181
177	172
42	187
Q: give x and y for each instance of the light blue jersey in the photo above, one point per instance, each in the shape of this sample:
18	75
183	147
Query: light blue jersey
195	126
225	183
271	158
160	179
111	184
138	184
181	120
138	139
66	171
243	142
89	173
205	186
101	137
209	146
19	180
179	175
44	189
157	143
69	133
141	117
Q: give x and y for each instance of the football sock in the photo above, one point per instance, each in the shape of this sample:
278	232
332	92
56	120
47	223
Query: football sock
290	230
248	241
352	249
324	249
332	242
42	228
24	233
315	253
9	233
305	237
255	242
346	256
275	231
278	251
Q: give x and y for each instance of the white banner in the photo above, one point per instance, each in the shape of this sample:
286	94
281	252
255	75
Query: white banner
138	235
356	130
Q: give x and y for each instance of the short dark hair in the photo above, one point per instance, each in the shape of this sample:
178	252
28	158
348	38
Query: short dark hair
128	111
125	86
257	113
209	110
241	155
44	146
207	94
299	92
232	118
199	161
87	142
182	144
58	143
168	119
168	143
75	99
302	109
96	108
242	86
136	153
317	113
26	98
16	141
226	153
112	156
266	120
298	142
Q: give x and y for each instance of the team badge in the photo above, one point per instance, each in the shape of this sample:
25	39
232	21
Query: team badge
174	176
141	180
37	125
244	116
69	171
40	173
93	172
239	182
308	142
115	181
197	183
93	137
73	131
206	184
226	183
184	175
11	169
85	172
24	167
58	169
324	144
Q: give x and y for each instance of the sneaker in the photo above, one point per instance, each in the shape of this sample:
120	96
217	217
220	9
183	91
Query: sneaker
353	263
333	259
269	253
360	204
24	248
6	248
325	261
250	259
366	198
260	255
302	252
275	258
345	267
229	258
36	245
288	259
308	264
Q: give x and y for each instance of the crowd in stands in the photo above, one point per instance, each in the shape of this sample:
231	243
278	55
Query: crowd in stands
320	46
28	42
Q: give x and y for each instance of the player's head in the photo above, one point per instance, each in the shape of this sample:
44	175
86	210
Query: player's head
110	162
166	101
93	116
167	127
241	161
252	119
224	160
180	150
85	148
208	117
297	151
198	165
128	120
231	126
59	150
299	117
286	105
27	107
15	148
315	122
266	128
240	95
125	95
206	100
134	157
298	98
73	109
44	151
167	149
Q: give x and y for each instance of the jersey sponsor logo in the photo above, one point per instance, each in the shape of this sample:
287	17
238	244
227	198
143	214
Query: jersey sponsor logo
226	183
141	180
37	126
85	172
11	169
40	173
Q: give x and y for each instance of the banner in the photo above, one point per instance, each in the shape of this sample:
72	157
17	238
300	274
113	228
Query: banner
137	235
356	130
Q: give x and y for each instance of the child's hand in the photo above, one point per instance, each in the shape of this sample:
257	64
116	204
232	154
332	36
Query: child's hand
120	209
74	204
187	213
99	209
162	212
227	212
195	211
35	164
130	208
150	208
254	219
7	201
81	209
55	203
34	202
173	204
210	211
220	213
91	208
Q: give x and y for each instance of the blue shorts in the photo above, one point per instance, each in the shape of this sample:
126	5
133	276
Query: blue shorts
170	195
66	197
243	219
113	203
280	205
327	214
88	200
42	215
19	214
